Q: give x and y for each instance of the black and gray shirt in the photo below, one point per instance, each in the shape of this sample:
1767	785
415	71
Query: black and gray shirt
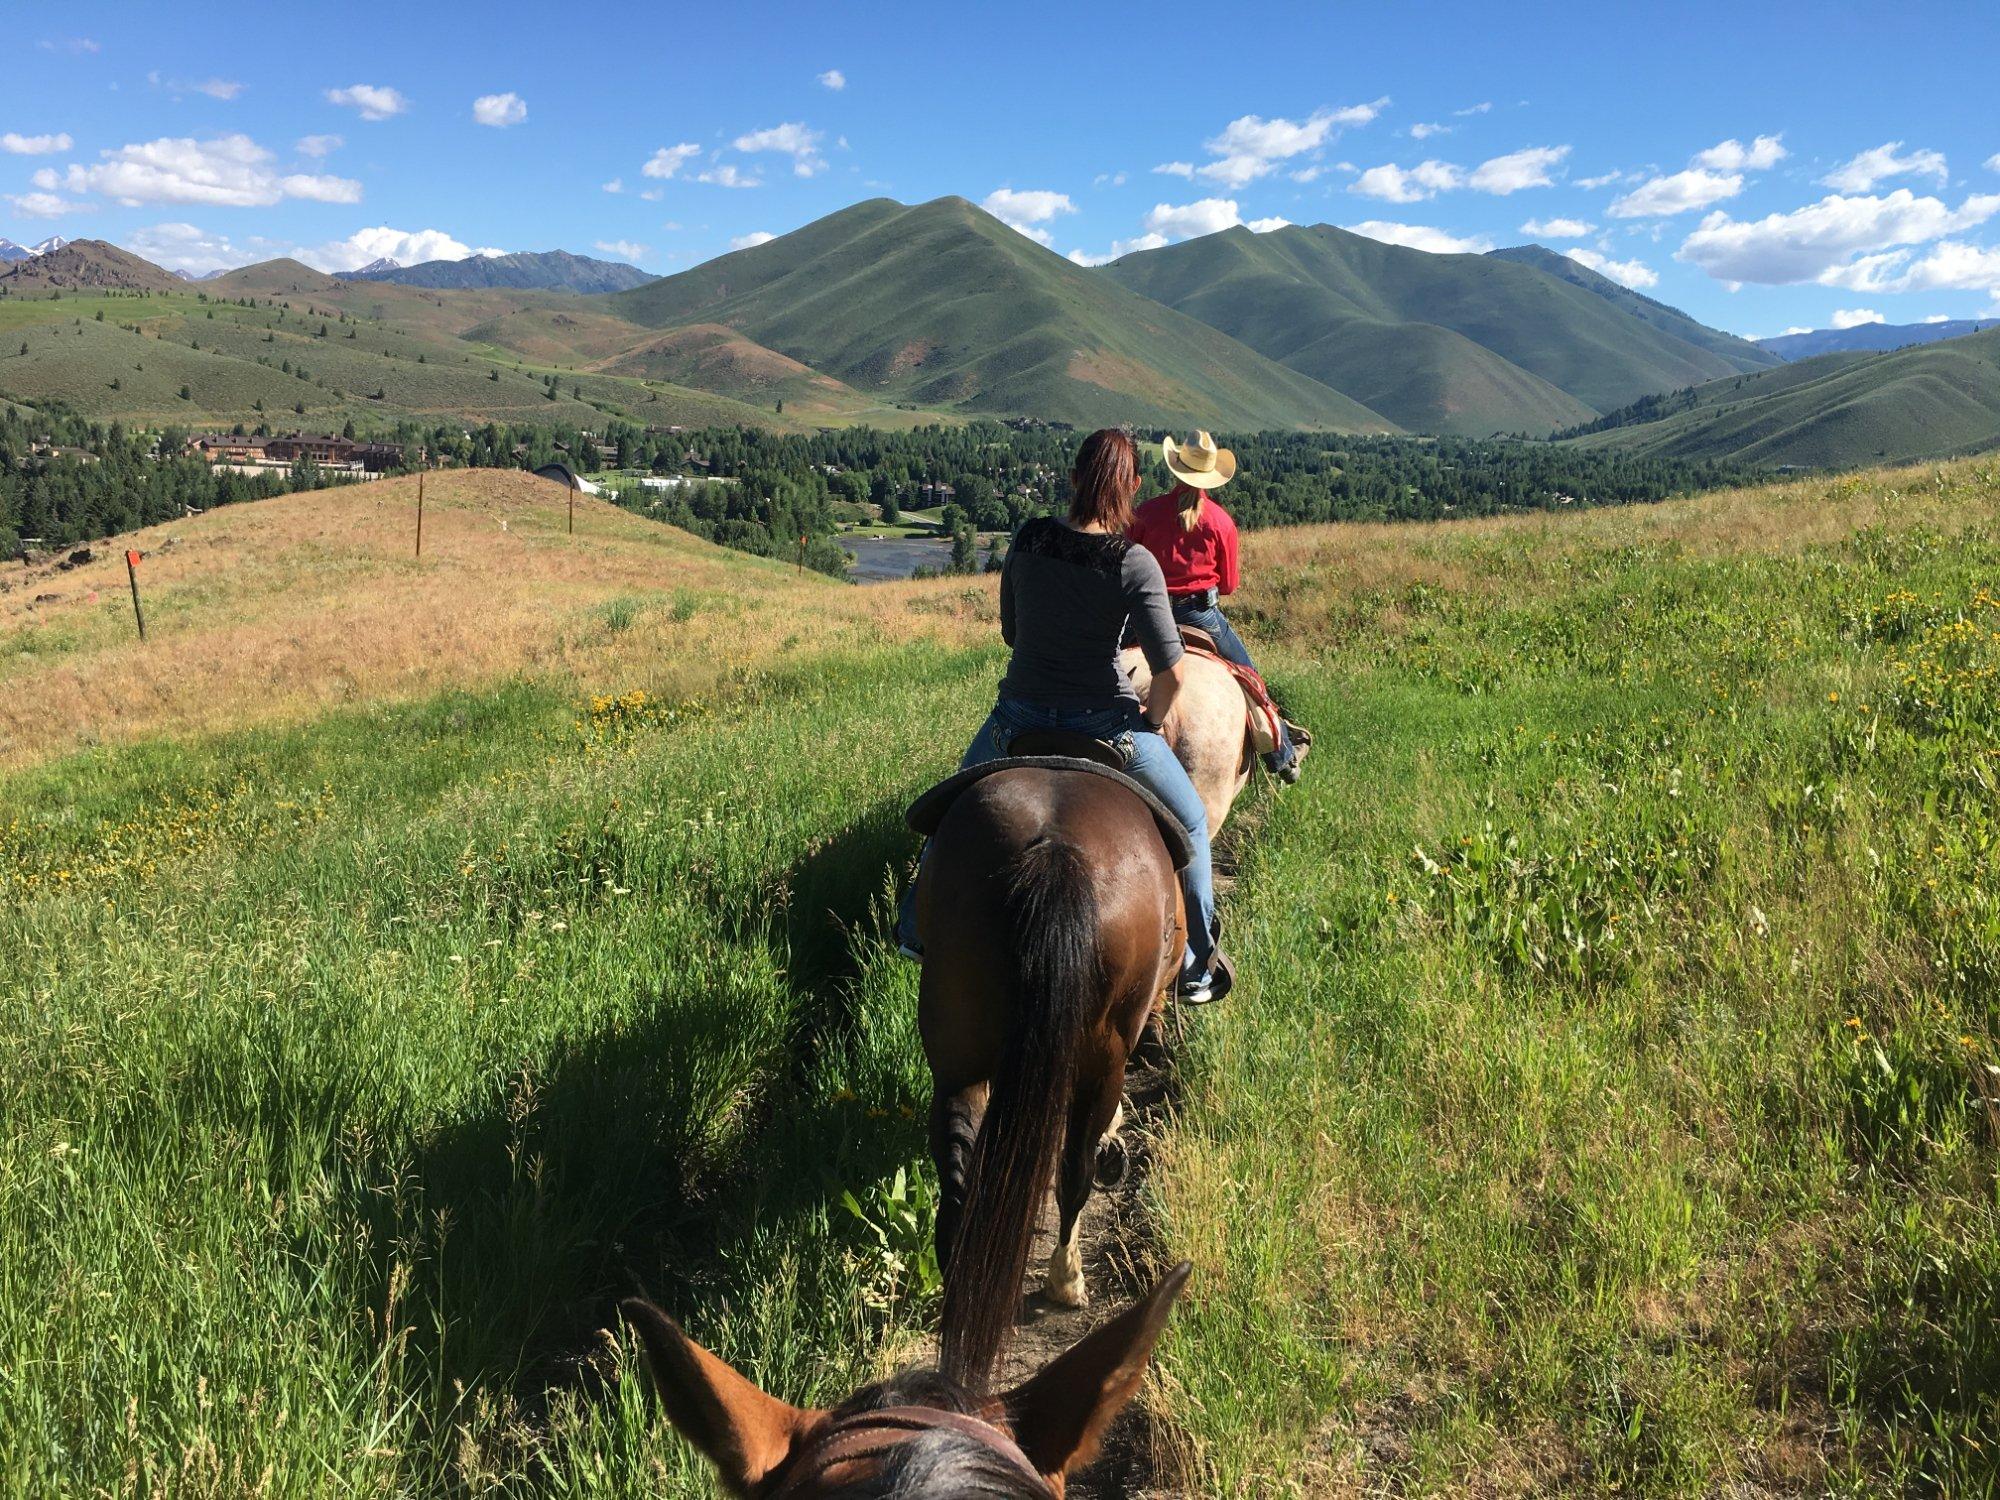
1065	597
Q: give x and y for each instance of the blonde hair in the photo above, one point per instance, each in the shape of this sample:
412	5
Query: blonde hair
1191	512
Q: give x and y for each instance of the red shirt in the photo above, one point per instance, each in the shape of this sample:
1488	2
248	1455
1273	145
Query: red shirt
1204	558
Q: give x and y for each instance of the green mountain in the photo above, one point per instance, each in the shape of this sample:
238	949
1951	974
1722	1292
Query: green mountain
1464	344
943	305
1834	411
1739	352
535	271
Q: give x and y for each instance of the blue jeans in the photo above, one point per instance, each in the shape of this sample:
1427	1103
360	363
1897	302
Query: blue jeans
1208	617
1149	762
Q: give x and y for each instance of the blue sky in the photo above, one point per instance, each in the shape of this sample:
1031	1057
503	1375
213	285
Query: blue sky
1763	166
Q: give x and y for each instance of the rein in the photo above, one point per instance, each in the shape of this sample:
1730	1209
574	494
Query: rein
871	1435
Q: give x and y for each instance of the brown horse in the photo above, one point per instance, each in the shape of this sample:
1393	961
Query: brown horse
916	1435
1053	922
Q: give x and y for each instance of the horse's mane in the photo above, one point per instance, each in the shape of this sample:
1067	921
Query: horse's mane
932	1464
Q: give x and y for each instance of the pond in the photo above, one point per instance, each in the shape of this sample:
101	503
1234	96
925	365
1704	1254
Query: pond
878	559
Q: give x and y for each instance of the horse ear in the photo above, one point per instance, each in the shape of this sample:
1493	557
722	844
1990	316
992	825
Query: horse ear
1060	1413
745	1433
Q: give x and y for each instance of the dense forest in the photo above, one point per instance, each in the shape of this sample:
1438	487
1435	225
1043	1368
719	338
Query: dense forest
763	492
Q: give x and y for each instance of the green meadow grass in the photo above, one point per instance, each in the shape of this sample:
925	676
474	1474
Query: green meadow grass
1602	1108
1609	1105
351	1072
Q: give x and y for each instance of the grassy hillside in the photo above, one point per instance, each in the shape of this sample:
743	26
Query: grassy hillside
1599	1111
404	359
943	305
1601	1107
1294	293
1738	352
1838	410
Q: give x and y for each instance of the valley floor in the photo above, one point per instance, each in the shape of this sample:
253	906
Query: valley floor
1601	1110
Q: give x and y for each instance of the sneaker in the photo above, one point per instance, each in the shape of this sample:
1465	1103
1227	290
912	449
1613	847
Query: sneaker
1206	989
910	951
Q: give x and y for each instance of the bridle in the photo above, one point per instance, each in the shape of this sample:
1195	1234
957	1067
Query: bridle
872	1435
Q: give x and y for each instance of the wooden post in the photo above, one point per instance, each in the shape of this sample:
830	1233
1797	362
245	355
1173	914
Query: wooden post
420	515
572	510
802	556
132	572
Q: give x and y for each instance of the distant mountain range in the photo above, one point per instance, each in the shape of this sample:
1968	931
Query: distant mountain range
9	251
1831	411
1870	337
543	271
893	313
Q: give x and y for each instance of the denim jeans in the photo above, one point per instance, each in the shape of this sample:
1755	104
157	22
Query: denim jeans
1230	644
1149	762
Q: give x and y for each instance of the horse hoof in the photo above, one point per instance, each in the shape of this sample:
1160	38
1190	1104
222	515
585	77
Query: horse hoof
1067	1293
1112	1162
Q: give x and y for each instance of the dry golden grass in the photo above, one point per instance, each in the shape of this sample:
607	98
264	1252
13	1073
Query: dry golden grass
276	610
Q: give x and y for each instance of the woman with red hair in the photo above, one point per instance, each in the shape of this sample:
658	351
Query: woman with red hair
1067	591
1194	540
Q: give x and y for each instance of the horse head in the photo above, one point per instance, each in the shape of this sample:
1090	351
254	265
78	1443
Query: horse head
916	1434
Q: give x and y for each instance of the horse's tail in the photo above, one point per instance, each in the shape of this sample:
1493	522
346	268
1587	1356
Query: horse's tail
1053	913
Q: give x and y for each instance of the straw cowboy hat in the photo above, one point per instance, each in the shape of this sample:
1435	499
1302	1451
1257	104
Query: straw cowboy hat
1199	463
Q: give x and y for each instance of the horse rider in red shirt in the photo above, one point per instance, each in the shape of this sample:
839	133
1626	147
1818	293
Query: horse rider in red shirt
1194	539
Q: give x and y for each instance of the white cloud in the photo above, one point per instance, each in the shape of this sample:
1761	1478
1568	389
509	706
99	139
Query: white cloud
1120	248
81	45
1027	209
1425	132
182	247
374	102
1993	162
1633	273
1250	146
791	139
1108	179
1474	109
1822	241
318	146
727	176
623	249
224	89
1265	226
35	145
1597	182
1557	229
651	195
1951	265
751	240
833	79
1938	318
1732	155
1855	317
615	185
1176	169
1191	220
410	247
1860	173
1421	237
499	110
1516	170
1399	185
668	160
1307	174
1663	196
42	205
231	171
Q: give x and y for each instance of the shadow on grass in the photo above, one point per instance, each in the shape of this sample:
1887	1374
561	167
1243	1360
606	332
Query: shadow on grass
629	1161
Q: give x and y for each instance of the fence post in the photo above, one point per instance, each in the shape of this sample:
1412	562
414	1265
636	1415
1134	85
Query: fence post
132	572
420	515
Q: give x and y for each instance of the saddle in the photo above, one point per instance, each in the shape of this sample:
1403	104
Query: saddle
1052	751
